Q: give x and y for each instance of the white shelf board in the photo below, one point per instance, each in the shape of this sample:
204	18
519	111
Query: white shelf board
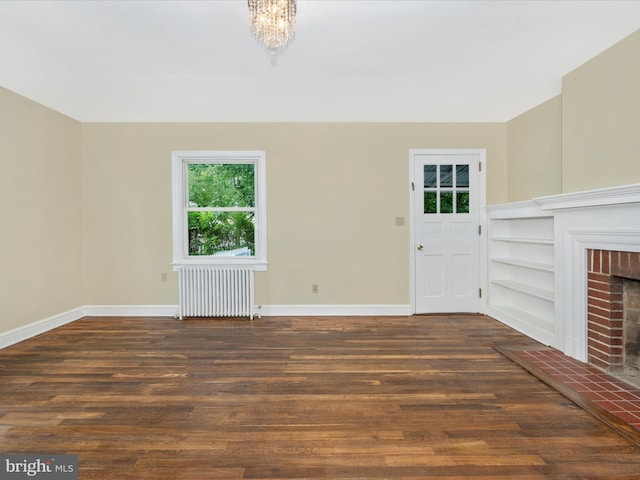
532	241
527	289
544	267
522	315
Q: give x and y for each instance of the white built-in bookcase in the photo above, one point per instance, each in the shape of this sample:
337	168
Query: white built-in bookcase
521	268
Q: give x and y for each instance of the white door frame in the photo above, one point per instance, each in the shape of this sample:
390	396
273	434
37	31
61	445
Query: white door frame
482	179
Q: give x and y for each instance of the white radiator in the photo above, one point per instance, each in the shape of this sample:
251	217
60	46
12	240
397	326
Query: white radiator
207	291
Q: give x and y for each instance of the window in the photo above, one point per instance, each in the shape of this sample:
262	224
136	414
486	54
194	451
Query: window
444	191
219	211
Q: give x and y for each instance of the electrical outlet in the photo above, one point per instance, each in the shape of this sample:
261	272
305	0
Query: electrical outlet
314	288
163	277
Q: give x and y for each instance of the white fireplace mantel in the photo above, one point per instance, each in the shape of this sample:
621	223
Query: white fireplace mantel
607	219
570	223
626	194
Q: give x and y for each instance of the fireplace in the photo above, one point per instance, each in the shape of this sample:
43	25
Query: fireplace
613	311
631	328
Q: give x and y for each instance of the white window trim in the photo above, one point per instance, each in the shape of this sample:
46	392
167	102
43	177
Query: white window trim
179	184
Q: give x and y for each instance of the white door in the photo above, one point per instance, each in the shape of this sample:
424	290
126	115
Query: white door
446	226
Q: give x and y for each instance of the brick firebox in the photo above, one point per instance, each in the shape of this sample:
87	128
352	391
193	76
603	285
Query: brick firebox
606	273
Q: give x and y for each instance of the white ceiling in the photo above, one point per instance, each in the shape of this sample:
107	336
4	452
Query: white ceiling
351	60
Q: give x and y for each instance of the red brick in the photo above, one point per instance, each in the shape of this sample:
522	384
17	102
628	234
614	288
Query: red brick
616	340
599	303
599	329
635	266
616	306
603	357
605	304
599	342
599	320
596	362
616	317
606	262
598	277
615	323
615	263
599	352
616	285
598	281
598	295
599	311
597	315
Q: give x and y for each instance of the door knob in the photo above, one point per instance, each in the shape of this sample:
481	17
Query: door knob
420	248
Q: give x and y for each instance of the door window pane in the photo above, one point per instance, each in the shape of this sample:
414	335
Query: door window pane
462	176
462	202
446	189
446	175
430	202
430	176
446	202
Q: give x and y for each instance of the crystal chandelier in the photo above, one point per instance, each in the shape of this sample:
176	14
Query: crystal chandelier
273	22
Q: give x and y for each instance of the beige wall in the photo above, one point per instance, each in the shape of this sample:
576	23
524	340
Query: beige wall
601	120
40	208
534	152
87	207
334	191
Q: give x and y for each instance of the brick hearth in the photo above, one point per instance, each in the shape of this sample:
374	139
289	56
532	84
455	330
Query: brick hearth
606	270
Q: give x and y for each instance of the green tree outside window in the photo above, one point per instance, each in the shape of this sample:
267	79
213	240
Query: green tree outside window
221	209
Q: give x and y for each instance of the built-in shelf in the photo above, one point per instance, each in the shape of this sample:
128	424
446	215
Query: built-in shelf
525	288
545	267
521	268
519	315
533	241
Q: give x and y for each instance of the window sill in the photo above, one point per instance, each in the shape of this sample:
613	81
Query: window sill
258	265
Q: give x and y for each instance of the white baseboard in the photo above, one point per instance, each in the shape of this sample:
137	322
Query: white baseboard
265	310
334	310
130	310
41	326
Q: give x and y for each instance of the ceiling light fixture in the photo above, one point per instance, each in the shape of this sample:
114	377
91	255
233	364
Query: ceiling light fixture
273	22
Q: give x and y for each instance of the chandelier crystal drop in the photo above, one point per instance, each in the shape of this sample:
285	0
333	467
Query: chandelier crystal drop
273	22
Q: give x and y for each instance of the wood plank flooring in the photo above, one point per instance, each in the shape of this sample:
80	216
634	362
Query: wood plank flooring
424	397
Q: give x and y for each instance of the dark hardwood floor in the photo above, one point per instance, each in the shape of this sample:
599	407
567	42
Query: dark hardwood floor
279	398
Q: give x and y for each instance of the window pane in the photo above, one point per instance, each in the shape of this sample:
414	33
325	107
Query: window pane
446	175
446	202
462	202
462	175
221	185
430	176
430	202
221	233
